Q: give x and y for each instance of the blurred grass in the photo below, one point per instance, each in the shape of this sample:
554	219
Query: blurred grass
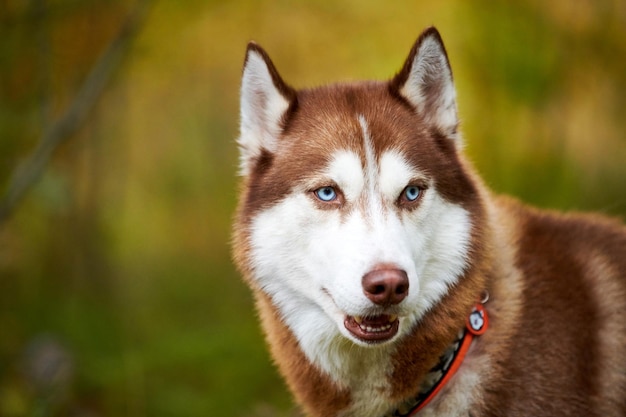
117	293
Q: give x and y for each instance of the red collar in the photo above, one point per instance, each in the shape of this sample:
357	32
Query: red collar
476	324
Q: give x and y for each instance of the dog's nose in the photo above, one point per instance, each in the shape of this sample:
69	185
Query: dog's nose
386	286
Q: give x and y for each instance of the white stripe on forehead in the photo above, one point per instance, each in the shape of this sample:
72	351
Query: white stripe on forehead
371	168
374	206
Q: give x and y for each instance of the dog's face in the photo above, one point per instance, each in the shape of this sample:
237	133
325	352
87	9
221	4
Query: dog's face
357	216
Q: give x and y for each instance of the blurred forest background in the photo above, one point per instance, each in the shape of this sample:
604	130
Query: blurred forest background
117	293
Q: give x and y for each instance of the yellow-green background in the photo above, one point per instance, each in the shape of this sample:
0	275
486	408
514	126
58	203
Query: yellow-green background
117	293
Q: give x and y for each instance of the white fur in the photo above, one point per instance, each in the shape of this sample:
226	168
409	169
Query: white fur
262	106
371	169
345	169
395	174
311	263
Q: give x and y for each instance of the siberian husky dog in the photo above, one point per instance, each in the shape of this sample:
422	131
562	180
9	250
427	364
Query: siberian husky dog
391	282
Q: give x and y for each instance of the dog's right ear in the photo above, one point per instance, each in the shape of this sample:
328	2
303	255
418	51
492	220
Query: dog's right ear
265	100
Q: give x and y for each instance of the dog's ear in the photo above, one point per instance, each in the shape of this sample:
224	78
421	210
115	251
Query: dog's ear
425	81
265	101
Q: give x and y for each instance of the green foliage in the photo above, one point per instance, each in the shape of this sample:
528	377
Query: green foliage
115	272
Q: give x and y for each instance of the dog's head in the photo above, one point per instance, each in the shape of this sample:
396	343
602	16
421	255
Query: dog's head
357	215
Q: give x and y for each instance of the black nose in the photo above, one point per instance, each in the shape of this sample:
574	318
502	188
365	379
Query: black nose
386	286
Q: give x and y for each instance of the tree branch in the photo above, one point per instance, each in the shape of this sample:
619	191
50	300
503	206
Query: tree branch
27	174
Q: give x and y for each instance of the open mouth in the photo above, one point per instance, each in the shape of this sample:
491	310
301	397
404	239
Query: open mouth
372	329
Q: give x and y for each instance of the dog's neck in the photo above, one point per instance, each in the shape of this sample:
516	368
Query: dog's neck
448	364
434	380
362	381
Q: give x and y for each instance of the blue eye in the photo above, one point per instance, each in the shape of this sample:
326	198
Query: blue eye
326	193
411	193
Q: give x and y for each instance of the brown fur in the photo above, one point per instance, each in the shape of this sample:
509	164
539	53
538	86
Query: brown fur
313	389
554	356
557	283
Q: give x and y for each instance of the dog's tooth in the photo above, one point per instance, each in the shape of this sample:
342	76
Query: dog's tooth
374	328
393	318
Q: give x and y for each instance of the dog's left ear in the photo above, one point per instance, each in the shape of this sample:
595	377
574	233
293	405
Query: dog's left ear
265	100
425	81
